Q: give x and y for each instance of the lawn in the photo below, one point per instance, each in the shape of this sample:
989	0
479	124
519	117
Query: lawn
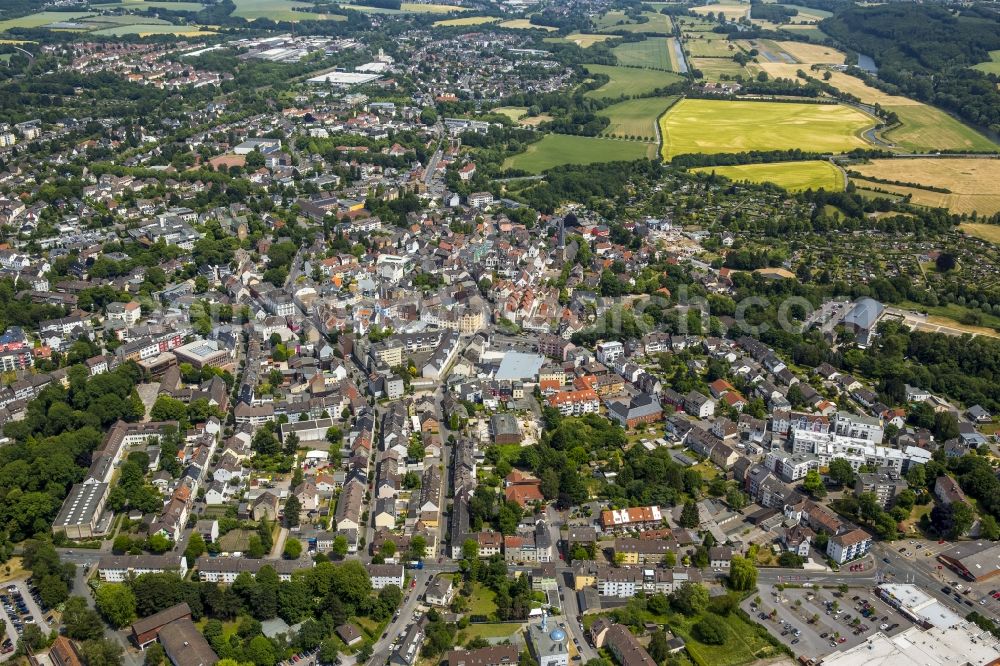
743	644
991	66
40	19
629	81
971	181
154	29
488	630
515	113
466	20
652	53
481	602
559	149
793	176
636	117
235	541
719	126
989	232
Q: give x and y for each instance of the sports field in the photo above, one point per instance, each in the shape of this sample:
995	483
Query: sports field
629	81
793	176
972	181
559	149
636	117
718	126
466	20
41	18
991	66
651	53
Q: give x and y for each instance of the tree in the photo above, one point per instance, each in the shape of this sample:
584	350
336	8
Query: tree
737	499
155	655
328	651
690	598
841	472
293	549
116	602
742	574
81	622
916	477
868	507
418	547
988	528
658	648
168	409
339	546
813	484
962	517
710	630
195	547
102	652
293	507
945	262
261	651
158	544
689	515
945	426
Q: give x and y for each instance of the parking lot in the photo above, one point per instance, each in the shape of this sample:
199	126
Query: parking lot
814	622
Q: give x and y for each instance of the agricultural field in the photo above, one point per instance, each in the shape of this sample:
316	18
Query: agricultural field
466	20
926	128
718	126
559	149
146	29
636	117
988	232
406	8
810	31
651	53
991	66
629	81
793	176
153	4
972	182
40	19
713	69
615	21
710	48
808	14
811	53
730	11
581	39
524	24
278	10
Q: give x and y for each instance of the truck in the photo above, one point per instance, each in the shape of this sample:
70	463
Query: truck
415	564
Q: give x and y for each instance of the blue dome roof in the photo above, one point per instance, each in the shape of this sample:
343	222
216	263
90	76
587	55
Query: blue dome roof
558	635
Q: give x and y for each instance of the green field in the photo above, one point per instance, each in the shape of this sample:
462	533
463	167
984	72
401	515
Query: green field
617	21
629	81
41	18
926	129
143	30
652	53
127	19
713	69
710	48
718	126
279	10
481	602
559	149
744	645
991	66
636	117
793	176
153	4
466	20
808	13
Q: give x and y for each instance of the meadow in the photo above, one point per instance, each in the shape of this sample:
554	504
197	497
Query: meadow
991	66
41	18
713	69
808	13
581	39
466	20
616	21
145	29
710	48
153	4
988	232
278	10
629	81
793	176
524	24
558	149
515	113
718	126
730	11
652	53
636	117
971	181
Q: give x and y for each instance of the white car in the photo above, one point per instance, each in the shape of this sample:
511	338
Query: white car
884	626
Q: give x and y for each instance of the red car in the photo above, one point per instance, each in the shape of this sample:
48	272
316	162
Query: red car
842	639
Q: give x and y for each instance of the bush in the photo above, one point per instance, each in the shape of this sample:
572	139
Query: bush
710	630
